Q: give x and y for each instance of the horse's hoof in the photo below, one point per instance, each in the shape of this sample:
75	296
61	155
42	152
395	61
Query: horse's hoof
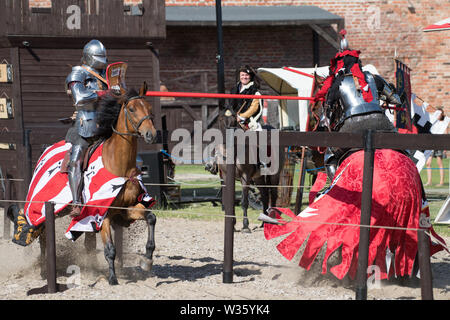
113	281
246	230
146	264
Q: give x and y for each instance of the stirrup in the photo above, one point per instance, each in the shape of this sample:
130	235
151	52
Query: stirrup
76	209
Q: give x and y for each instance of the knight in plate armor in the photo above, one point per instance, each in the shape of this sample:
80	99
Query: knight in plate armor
86	84
352	100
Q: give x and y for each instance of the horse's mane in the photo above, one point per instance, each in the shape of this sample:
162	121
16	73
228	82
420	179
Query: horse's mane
108	110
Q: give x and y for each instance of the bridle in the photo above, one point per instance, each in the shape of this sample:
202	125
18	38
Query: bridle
133	124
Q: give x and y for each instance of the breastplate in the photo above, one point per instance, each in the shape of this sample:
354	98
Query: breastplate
94	84
352	99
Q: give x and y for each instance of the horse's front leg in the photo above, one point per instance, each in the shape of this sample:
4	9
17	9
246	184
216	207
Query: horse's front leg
150	218
42	258
244	204
139	212
264	191
109	249
274	191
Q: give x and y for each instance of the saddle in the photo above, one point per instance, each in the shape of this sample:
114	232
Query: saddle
91	149
343	153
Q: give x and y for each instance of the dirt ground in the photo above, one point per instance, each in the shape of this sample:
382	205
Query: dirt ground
188	265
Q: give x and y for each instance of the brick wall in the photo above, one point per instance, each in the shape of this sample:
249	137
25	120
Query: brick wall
192	50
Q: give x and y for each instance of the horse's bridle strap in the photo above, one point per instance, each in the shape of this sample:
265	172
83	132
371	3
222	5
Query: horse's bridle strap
135	97
133	124
127	117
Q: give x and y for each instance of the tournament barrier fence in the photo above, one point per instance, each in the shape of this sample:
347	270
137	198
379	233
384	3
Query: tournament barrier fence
369	142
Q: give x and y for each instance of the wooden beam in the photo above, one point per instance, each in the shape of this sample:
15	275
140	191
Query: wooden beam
18	118
240	23
191	112
204	83
383	140
212	117
316	49
156	82
325	35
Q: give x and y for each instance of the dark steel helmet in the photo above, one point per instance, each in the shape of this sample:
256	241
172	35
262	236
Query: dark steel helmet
94	55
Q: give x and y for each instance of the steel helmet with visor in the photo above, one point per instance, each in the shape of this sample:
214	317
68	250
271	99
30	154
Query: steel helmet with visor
94	55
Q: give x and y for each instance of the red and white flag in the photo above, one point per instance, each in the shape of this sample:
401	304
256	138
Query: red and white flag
50	184
439	26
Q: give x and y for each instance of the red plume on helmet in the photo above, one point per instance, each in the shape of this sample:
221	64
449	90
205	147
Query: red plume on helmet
344	42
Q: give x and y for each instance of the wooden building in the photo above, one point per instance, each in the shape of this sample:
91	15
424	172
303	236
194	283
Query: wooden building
39	45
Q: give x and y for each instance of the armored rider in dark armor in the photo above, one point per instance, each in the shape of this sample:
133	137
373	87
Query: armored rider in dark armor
352	100
86	84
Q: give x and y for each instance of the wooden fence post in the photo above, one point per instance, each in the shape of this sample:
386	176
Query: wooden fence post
6	204
426	279
228	197
50	247
366	207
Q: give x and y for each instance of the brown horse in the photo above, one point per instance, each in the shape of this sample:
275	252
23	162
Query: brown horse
248	173
122	119
119	154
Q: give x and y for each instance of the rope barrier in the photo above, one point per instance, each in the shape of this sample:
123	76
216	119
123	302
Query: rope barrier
209	184
204	214
171	212
205	184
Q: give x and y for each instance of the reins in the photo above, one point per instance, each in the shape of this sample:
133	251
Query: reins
133	124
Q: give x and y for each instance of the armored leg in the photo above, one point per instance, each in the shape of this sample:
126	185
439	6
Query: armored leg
331	163
75	177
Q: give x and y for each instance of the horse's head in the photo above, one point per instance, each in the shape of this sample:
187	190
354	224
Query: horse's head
318	84
138	116
316	107
126	115
228	118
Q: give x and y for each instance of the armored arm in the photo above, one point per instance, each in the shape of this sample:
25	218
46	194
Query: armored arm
386	91
82	96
